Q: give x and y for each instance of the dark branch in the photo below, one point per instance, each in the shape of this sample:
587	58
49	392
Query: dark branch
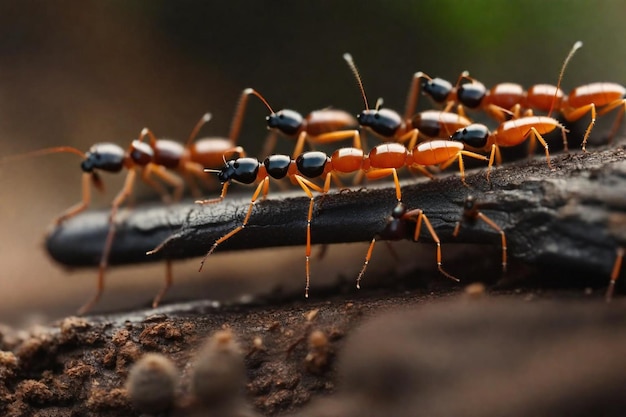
573	216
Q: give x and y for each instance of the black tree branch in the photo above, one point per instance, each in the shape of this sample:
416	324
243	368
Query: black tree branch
574	215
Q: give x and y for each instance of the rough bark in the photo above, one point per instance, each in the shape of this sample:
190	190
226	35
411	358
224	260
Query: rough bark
573	216
546	358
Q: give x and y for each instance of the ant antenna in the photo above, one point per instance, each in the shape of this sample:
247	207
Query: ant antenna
575	48
215	171
147	132
260	97
212	171
379	103
355	71
46	151
204	119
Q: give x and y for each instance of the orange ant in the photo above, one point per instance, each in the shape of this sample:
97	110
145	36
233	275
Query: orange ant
596	98
504	100
587	98
514	132
382	161
148	159
388	124
319	126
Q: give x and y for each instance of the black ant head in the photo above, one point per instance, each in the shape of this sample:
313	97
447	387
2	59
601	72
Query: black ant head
105	157
243	170
287	121
436	88
471	94
385	122
470	203
396	227
475	135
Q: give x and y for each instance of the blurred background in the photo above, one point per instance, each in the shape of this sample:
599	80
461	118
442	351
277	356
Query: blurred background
80	72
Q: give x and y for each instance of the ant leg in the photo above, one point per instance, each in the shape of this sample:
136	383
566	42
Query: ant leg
240	110
306	186
537	136
619	117
500	113
375	174
299	145
236	230
572	114
147	132
495	152
414	90
617	266
472	212
206	117
104	259
459	156
411	136
171	179
168	283
269	144
368	256
331	137
218	199
190	171
77	208
418	215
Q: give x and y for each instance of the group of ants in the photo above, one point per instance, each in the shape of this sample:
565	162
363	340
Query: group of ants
431	138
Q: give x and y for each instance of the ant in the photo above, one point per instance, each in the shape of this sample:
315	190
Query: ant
319	126
389	125
396	229
502	102
471	214
514	132
382	161
154	158
595	98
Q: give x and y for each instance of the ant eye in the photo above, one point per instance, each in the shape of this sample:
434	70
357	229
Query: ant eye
281	116
465	131
236	165
376	116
